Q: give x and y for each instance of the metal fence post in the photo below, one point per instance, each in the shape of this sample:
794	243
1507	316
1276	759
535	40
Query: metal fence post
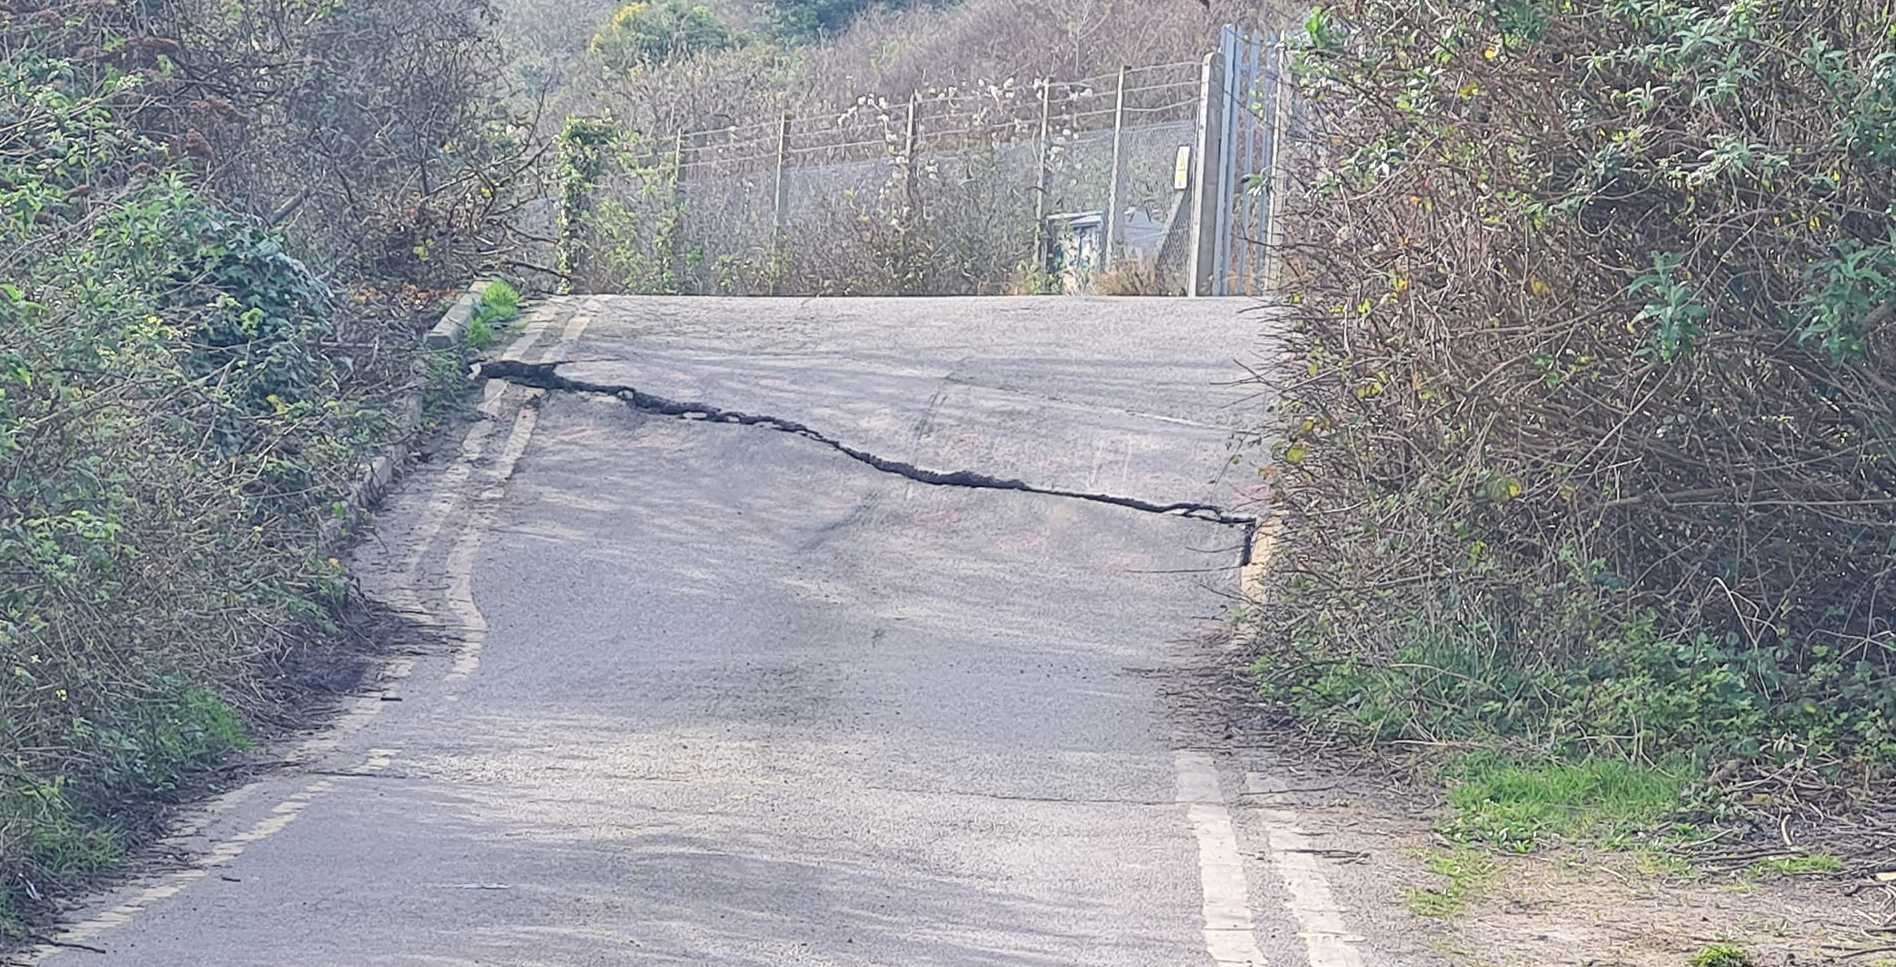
780	203
1206	190
908	151
1041	175
1111	227
1252	179
1279	176
1229	105
680	148
911	144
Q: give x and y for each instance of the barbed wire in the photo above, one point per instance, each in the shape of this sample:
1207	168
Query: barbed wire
991	98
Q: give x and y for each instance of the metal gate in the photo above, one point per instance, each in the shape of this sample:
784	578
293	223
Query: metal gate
1241	117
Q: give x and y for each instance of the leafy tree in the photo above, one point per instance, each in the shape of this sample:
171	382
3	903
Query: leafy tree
807	19
643	34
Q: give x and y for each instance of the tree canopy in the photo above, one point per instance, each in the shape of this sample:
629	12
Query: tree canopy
643	34
806	19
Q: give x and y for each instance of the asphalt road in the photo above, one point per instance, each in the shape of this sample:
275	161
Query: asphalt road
719	694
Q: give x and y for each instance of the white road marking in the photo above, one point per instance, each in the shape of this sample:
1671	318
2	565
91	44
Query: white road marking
364	707
1230	932
575	328
172	884
1327	940
460	562
361	709
405	596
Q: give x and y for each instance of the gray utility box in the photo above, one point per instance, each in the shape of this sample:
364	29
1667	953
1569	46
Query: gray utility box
1076	242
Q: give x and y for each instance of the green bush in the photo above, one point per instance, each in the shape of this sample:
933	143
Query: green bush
1590	445
367	134
644	34
172	434
808	19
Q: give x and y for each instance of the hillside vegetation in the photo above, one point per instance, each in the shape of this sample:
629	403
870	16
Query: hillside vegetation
773	56
669	113
1592	433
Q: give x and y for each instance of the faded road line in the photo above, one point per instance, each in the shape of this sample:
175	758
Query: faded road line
367	706
1327	941
1230	933
84	934
405	596
461	558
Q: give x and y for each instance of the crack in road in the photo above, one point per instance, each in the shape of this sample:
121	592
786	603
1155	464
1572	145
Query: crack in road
546	376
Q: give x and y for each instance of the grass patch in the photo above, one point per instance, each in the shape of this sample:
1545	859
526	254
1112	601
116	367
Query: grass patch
480	333
1723	955
1467	874
59	831
1659	864
500	305
1520	807
501	300
1780	867
61	839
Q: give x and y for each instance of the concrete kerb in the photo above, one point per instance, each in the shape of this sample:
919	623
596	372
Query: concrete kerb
1263	548
453	326
379	472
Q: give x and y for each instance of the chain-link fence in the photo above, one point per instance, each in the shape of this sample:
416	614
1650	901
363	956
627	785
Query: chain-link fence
975	190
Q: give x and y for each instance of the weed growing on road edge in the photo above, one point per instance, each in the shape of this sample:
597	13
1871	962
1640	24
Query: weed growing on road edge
1723	955
499	305
1780	867
1132	279
1468	873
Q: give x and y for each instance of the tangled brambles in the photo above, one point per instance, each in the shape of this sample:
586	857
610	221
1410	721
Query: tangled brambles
1591	445
184	402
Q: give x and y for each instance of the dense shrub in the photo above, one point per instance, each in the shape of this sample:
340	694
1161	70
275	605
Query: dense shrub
1591	435
172	432
370	134
643	34
183	400
816	18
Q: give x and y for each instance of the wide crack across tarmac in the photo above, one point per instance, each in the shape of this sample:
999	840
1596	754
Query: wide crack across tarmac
546	376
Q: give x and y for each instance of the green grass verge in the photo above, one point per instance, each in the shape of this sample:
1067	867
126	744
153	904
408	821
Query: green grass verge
1518	806
63	832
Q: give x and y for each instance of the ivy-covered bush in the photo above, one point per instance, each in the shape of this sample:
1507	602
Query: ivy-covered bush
172	432
1591	432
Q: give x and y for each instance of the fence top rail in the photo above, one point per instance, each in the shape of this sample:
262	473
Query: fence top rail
1026	95
840	146
1194	65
